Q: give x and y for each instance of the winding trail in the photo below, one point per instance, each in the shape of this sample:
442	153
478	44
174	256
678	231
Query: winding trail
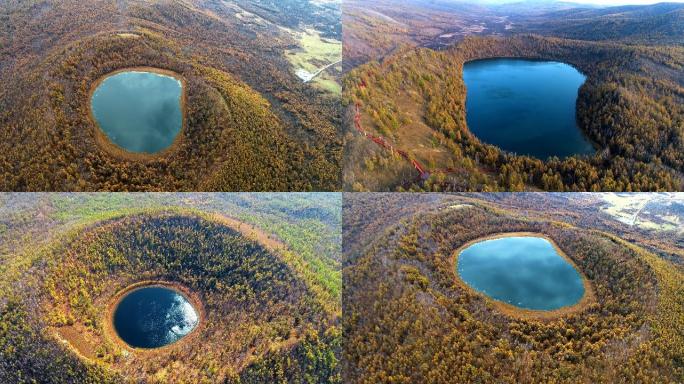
636	215
381	141
315	74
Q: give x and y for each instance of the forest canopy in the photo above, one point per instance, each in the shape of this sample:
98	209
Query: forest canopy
410	320
269	307
630	105
250	123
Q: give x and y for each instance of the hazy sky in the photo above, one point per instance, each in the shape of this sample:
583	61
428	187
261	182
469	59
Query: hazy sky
624	2
601	2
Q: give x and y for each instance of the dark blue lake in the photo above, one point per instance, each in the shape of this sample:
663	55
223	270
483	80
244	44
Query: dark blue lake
153	317
526	272
140	112
525	106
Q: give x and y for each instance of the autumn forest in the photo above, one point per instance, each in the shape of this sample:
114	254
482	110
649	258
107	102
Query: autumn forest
413	100
341	191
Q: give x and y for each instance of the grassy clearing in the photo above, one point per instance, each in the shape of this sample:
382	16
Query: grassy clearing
624	208
314	53
328	83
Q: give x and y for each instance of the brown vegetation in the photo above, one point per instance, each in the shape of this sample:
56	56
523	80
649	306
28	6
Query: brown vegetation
250	123
408	320
630	105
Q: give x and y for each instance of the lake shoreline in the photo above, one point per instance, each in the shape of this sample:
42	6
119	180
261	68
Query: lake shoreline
109	330
588	298
83	343
583	146
112	148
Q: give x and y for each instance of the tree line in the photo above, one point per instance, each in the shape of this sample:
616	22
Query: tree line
408	320
630	105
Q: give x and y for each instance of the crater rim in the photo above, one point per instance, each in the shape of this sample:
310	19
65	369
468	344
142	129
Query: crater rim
192	297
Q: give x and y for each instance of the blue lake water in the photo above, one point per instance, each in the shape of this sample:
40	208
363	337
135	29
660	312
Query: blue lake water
139	111
525	106
153	317
526	272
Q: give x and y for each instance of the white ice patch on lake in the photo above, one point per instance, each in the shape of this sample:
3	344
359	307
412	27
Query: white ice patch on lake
184	310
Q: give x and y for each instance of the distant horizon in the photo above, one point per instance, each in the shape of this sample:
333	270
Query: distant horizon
591	2
621	2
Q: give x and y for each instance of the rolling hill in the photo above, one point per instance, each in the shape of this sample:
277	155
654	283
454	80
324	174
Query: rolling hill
250	123
409	98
